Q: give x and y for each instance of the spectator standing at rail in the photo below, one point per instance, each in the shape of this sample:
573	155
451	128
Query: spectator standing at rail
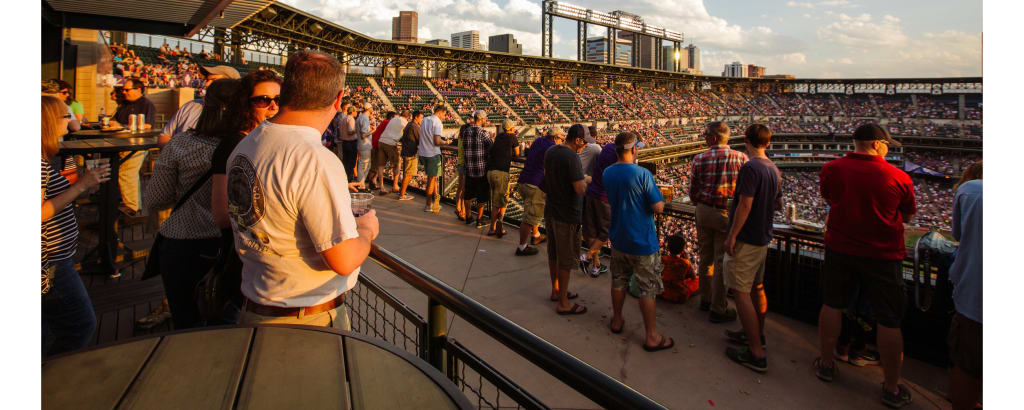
758	194
712	184
301	249
564	184
387	151
375	177
499	162
410	145
429	153
869	202
590	151
634	198
965	335
596	213
188	114
365	144
475	144
530	180
347	143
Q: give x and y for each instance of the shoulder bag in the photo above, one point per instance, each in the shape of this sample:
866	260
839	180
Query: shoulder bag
153	260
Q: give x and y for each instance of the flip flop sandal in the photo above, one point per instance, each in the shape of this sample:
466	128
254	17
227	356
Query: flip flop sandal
620	327
661	346
575	310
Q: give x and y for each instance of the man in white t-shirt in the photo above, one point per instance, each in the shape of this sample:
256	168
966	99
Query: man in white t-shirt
387	150
290	211
430	155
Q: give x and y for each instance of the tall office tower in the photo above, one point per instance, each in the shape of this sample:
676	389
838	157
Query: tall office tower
404	27
467	39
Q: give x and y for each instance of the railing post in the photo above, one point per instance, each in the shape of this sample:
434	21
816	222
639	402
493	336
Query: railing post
437	321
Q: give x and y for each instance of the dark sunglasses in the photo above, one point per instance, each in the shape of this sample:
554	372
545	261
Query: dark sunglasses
263	101
67	116
64	92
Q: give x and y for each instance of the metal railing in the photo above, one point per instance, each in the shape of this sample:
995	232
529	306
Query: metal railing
453	359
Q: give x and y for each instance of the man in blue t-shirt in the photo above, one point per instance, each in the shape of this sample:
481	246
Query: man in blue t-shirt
758	194
634	198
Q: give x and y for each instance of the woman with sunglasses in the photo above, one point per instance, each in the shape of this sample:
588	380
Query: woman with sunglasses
257	99
66	309
191	239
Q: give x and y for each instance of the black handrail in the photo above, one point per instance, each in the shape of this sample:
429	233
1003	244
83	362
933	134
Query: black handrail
592	383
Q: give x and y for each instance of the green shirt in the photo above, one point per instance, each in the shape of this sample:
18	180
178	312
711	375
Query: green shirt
76	107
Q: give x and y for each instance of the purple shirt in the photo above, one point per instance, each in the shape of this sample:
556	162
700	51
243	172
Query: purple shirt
533	170
605	159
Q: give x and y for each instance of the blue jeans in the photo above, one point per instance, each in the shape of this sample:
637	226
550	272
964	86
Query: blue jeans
349	153
67	311
183	263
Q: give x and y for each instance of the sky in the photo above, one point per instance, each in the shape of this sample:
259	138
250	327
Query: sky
808	39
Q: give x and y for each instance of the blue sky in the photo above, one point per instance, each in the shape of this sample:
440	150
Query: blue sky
812	38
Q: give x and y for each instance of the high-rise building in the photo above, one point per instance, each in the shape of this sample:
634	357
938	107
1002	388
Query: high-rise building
736	69
405	27
670	60
505	43
693	58
467	39
755	71
439	42
597	51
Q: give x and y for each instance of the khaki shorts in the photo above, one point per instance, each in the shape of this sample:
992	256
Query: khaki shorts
374	153
563	243
597	218
336	318
533	204
498	181
745	269
965	345
387	154
409	165
646	268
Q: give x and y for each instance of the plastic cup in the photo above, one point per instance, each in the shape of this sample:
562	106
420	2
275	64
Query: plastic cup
361	203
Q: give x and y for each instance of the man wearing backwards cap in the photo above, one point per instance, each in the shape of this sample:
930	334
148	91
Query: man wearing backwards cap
869	201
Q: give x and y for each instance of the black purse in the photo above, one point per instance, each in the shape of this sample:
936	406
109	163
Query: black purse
153	260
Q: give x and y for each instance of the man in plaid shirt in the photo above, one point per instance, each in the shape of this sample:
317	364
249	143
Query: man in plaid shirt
475	144
712	182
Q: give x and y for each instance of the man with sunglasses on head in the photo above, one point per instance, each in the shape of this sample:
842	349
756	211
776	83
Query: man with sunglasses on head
869	201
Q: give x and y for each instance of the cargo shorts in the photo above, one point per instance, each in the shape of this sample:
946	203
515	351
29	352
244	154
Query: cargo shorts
646	268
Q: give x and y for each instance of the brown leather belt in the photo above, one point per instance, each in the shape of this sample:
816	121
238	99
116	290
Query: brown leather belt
279	311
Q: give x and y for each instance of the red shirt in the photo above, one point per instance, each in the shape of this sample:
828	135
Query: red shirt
869	200
713	175
377	133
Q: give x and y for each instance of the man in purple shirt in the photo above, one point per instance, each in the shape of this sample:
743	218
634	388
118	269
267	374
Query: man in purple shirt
530	180
596	213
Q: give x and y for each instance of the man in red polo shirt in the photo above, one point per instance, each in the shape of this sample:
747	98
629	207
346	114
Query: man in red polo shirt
869	201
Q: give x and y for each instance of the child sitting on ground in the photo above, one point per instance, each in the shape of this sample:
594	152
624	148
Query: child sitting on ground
678	276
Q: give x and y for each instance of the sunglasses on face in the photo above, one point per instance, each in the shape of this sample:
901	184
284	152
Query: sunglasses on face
67	116
66	92
263	101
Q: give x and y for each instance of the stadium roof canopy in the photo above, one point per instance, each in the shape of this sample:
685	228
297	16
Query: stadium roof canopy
168	17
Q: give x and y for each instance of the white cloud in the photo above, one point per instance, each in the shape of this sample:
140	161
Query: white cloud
795	58
800	4
862	33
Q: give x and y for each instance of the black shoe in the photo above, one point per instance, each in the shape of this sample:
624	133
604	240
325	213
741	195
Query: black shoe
728	316
740	337
527	251
705	306
744	357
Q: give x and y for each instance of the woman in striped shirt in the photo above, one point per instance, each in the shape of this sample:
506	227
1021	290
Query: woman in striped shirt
66	309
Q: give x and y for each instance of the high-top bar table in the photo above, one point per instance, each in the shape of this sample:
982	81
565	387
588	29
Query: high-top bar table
110	148
246	367
92	134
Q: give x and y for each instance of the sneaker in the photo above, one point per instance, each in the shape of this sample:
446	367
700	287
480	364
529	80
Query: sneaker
405	197
537	240
527	251
863	358
480	224
896	400
598	270
584	263
740	337
426	208
825	373
728	316
744	357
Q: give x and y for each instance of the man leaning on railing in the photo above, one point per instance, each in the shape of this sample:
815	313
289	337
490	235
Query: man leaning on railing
300	245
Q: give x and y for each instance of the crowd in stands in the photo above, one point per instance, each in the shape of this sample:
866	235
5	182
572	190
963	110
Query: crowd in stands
857	105
935	107
822	104
791	104
764	105
948	163
166	74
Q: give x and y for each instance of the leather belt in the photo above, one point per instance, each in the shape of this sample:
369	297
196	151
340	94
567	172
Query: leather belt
280	311
713	206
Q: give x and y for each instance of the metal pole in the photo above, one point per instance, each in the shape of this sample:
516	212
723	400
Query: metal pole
437	322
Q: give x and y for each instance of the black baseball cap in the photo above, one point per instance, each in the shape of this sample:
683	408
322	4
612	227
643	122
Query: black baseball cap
872	132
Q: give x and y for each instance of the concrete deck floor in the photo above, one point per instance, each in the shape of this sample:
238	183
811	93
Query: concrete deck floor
694	374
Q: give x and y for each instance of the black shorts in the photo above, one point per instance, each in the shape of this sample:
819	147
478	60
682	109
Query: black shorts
965	345
880	279
597	217
477	188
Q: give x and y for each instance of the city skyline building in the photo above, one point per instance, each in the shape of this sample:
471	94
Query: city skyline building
467	39
505	43
405	27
